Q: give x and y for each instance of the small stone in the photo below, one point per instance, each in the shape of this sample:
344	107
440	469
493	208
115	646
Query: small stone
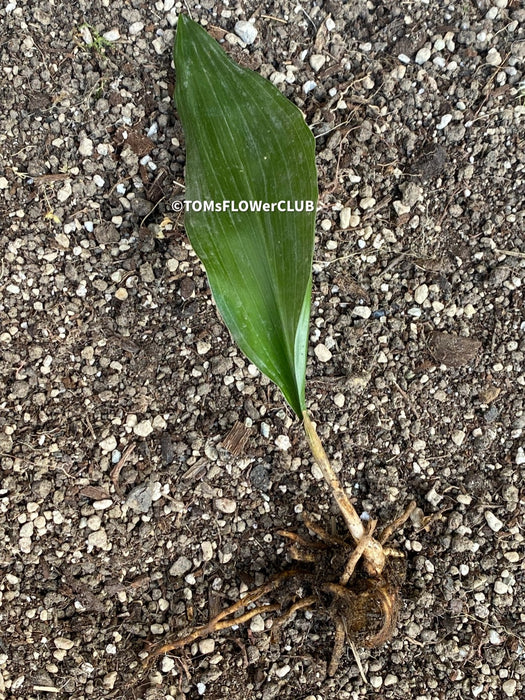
85	147
257	624
501	588
376	681
421	294
62	240
99	180
367	203
309	86
246	31
493	522
317	61
121	294
64	192
444	121
136	28
157	628
283	442
109	680
390	680
509	687
112	35
344	217
207	550
98	539
94	522
512	557
494	57
140	498
143	429
64	643
339	400
180	567
225	505
207	646
322	353
4	184
283	671
363	311
108	444
103	504
159	45
457	437
167	665
400	208
433	497
423	55
146	273
203	347
520	456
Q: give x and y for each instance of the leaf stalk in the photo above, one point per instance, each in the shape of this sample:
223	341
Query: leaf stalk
373	553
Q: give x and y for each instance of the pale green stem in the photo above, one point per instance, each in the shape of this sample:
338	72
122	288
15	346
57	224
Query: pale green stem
373	553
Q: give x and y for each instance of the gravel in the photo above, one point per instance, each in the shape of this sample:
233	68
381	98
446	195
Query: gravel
122	516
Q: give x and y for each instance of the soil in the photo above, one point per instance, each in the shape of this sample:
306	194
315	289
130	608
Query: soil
128	507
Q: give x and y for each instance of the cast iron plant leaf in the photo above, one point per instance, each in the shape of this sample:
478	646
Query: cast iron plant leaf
245	142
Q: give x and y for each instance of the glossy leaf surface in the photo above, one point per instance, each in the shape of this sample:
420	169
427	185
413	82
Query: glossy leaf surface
245	142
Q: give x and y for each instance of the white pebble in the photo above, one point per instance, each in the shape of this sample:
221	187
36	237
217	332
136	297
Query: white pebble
207	550
103	504
225	505
494	57
423	55
64	192
322	353
4	184
458	436
257	624
509	688
367	202
108	444
136	28
309	86
246	31
283	671
168	664
283	442
98	180
112	35
363	311
207	646
86	147
143	429
520	456
339	400
180	567
202	347
98	539
445	121
201	688
317	61
64	643
493	522
421	294
344	217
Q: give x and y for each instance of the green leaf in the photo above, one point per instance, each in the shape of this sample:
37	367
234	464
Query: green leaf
245	142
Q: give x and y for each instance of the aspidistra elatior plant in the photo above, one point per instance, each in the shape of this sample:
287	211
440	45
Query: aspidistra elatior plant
245	142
